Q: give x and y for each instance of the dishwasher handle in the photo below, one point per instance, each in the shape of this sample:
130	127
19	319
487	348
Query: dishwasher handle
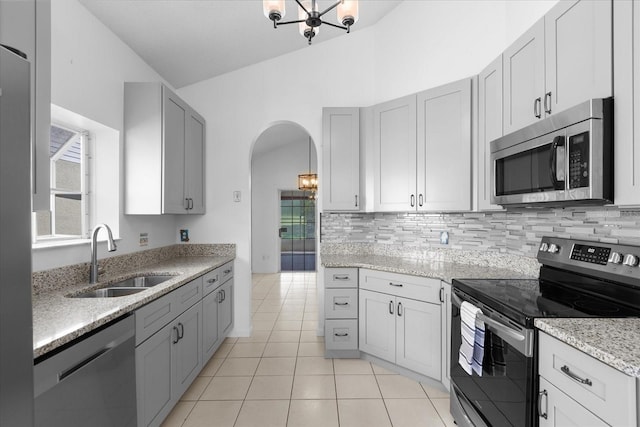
64	374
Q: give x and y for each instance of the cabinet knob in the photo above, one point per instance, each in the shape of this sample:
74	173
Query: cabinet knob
544	247
553	248
630	260
615	258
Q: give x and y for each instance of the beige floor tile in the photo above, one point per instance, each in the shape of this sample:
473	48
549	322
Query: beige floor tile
379	370
272	387
310	336
230	340
238	367
436	391
227	388
252	349
352	367
179	413
442	406
313	413
256	336
263	413
288	325
196	388
311	349
295	315
285	336
281	349
412	412
357	387
223	350
314	366
399	386
265	316
314	387
269	308
213	414
363	413
277	366
211	367
263	325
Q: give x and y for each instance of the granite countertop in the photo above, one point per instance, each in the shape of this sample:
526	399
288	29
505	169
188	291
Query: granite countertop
58	319
435	269
615	342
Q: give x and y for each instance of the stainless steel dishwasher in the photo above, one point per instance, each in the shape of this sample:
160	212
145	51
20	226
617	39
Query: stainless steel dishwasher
91	382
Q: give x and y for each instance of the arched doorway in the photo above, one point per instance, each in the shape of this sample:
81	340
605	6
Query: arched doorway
283	226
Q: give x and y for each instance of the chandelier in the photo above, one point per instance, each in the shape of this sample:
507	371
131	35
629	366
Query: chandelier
310	17
308	181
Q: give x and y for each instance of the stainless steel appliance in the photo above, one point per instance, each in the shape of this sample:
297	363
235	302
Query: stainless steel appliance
565	159
90	382
577	279
16	351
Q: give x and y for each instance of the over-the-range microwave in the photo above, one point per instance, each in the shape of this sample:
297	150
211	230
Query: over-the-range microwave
565	159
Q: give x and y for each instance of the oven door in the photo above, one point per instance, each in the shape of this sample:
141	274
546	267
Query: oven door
504	394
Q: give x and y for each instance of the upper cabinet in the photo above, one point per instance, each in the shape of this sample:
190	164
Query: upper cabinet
341	188
164	152
422	150
26	25
564	59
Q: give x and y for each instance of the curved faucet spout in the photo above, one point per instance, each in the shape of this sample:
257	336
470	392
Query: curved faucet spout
111	246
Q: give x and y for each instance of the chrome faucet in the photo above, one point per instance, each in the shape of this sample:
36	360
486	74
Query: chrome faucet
111	246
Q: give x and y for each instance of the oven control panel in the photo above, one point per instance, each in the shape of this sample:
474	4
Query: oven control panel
589	253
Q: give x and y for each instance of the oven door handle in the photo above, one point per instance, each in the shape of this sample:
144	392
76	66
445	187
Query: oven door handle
499	327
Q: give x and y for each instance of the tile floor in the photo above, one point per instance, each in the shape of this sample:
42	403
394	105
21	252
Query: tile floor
278	377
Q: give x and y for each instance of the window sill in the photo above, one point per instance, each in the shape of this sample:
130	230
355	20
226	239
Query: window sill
60	242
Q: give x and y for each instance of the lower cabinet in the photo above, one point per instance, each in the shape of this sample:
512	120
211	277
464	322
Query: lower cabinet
559	410
217	314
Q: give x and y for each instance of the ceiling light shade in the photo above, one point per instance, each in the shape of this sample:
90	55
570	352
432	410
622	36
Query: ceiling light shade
308	182
273	9
348	12
306	30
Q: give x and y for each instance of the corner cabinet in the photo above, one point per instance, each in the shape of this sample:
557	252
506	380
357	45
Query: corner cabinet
164	152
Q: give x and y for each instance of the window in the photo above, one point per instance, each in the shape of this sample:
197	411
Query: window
68	217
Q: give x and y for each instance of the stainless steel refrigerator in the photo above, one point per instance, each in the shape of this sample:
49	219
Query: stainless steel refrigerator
16	324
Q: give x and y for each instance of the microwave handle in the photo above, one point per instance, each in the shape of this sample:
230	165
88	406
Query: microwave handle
558	141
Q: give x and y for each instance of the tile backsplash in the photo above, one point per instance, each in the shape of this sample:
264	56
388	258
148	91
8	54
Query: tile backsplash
515	232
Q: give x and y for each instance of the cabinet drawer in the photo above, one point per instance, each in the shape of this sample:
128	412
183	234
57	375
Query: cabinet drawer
226	271
153	316
211	281
413	287
611	395
187	295
341	278
341	334
341	303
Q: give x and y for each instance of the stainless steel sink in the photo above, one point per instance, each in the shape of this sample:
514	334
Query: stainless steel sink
108	292
125	287
141	281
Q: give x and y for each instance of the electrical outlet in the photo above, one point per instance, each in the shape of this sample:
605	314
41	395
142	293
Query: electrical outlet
184	235
444	237
144	239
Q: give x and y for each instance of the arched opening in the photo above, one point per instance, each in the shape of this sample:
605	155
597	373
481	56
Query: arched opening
283	218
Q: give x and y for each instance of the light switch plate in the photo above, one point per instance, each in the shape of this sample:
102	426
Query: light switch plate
237	196
144	239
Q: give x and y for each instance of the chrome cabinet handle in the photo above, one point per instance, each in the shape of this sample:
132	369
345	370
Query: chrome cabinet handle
224	295
341	303
335	277
181	329
341	335
390	307
227	271
397	285
212	280
413	200
441	294
420	200
537	104
356	200
175	341
547	106
586	381
219	297
546	404
399	309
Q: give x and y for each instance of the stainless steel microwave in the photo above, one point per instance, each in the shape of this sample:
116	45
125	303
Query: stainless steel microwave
565	159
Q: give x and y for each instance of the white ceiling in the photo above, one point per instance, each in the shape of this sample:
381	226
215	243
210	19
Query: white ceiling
187	41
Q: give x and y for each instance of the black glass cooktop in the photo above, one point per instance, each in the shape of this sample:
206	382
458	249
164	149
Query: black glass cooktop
556	294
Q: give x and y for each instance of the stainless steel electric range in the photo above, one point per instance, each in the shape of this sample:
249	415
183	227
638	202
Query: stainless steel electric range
577	279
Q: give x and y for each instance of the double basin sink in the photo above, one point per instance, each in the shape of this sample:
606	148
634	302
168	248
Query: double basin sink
125	287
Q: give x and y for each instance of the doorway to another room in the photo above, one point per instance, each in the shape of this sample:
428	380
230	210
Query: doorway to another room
297	231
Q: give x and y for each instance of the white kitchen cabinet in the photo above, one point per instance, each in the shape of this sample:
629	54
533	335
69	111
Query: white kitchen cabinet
446	334
26	25
211	338
217	309
626	47
187	355
394	152
400	320
341	187
444	147
490	119
341	312
225	311
576	389
164	152
564	59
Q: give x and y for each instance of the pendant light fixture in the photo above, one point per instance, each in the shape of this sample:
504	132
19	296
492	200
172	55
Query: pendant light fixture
310	17
308	181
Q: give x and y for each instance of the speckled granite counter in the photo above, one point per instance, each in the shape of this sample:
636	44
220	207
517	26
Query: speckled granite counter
58	319
436	269
615	342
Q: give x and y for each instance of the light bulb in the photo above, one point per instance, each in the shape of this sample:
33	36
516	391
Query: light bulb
273	9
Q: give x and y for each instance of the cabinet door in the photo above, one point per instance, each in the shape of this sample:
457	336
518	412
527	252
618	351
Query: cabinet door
377	330
563	411
174	122
489	128
394	151
446	336
444	147
187	352
194	169
225	309
578	52
523	66
341	159
418	337
210	333
154	373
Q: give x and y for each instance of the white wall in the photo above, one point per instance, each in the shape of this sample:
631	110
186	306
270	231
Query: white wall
88	67
271	172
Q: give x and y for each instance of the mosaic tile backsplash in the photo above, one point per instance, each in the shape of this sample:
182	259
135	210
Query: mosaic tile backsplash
514	232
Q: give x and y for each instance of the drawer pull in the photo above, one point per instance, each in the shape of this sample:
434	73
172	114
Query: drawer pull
341	303
574	377
341	335
227	271
212	280
543	414
336	277
397	285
